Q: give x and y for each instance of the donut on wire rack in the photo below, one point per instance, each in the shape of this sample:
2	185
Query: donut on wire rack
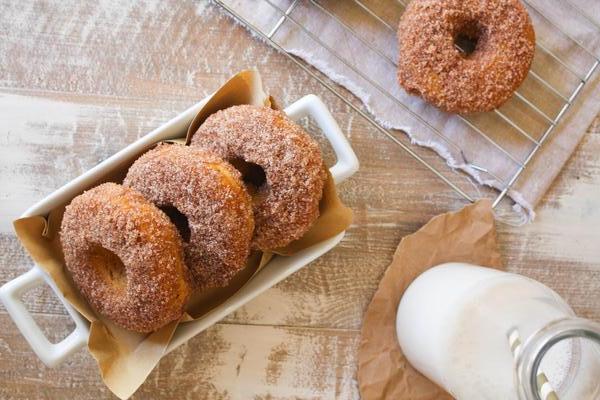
464	56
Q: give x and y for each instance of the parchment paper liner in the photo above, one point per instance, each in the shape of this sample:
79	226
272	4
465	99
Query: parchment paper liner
126	358
468	235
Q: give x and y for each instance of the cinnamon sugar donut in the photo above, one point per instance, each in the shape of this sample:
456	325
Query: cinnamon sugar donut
126	257
433	66
286	202
206	193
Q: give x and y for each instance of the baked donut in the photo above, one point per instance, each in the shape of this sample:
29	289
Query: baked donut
264	142
126	257
209	198
432	65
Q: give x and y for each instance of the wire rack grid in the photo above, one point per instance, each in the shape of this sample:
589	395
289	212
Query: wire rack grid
564	96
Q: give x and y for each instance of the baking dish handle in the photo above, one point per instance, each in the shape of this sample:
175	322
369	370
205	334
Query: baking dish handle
51	354
310	105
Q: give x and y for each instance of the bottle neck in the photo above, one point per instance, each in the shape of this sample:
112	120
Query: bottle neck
533	384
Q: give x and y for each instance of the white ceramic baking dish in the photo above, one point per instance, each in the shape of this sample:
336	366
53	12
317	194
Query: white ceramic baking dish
275	271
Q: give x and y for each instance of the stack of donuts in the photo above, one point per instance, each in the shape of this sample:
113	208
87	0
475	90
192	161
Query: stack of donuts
186	218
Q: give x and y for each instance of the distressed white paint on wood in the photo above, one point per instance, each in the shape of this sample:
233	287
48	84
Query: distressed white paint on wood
561	247
221	363
47	142
80	80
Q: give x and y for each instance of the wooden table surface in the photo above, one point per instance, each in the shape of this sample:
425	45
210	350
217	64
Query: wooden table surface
81	79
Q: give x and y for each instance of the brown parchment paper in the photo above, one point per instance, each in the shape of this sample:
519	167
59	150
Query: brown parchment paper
126	358
468	235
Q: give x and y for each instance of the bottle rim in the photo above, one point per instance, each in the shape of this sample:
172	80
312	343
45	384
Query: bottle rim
538	345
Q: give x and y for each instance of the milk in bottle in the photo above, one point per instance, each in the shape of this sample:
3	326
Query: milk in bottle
465	326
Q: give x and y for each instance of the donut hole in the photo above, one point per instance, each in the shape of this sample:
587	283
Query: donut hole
109	266
253	175
468	37
179	220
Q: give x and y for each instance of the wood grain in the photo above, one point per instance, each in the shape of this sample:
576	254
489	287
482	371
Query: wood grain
80	80
279	362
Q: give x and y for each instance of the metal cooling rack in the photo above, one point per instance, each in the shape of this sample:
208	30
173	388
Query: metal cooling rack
579	75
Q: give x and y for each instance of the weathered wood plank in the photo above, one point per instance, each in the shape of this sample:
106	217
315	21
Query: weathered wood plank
80	80
279	362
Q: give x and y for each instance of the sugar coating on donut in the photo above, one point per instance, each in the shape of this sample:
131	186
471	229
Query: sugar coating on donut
431	66
287	204
209	192
125	256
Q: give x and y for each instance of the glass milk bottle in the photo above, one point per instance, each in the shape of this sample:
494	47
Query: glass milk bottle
485	334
